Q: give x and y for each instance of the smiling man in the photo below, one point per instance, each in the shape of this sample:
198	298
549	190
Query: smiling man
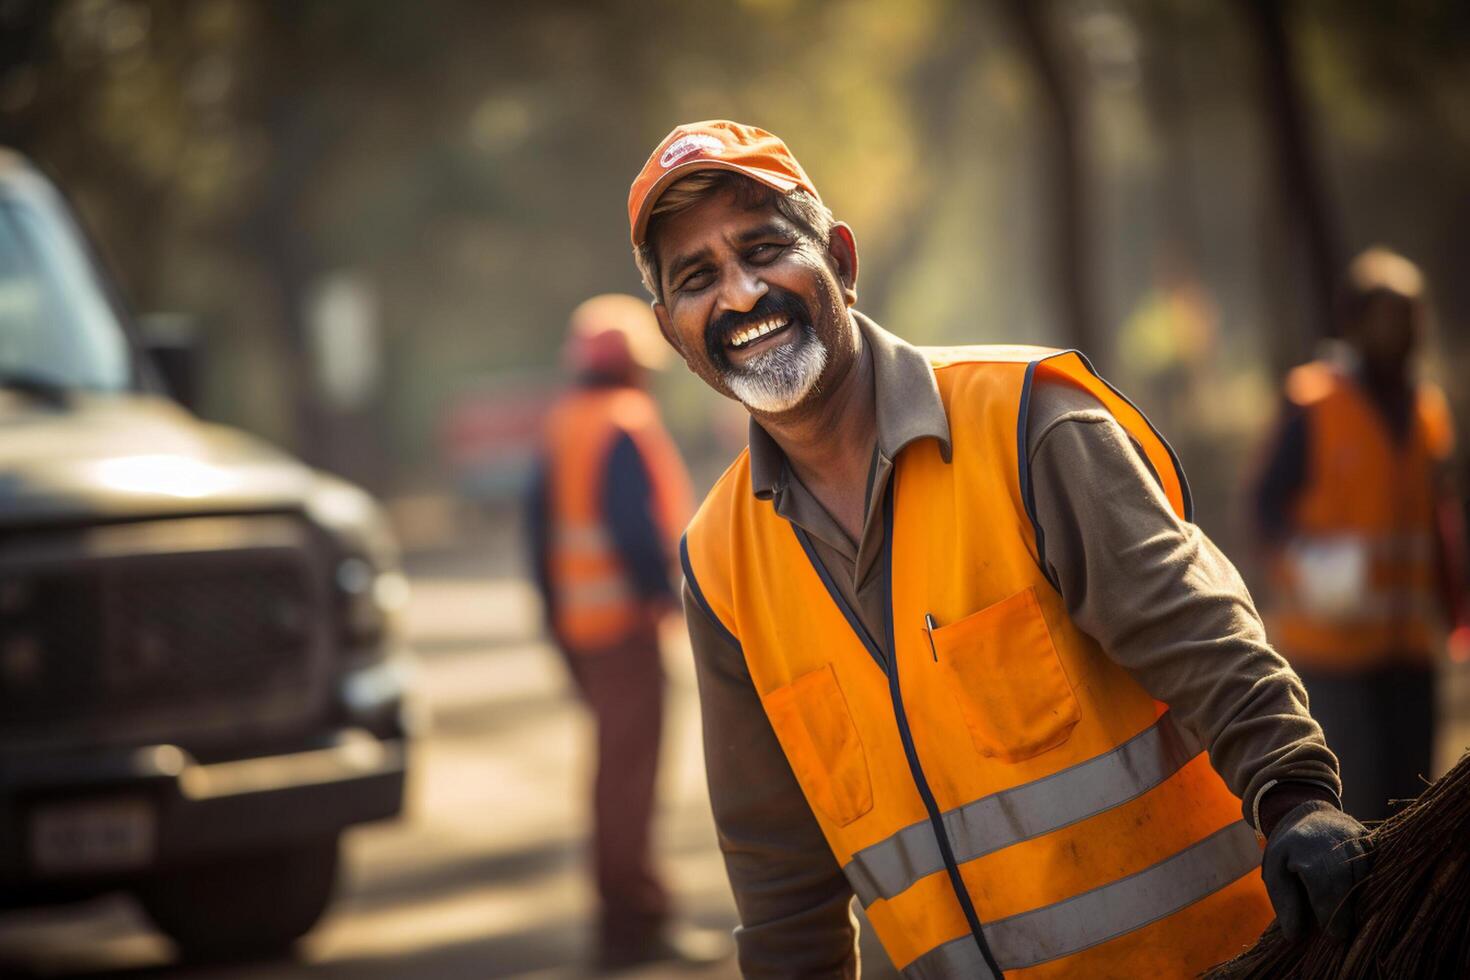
962	656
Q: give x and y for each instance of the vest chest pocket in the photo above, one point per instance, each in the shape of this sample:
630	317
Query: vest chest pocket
816	730
1007	679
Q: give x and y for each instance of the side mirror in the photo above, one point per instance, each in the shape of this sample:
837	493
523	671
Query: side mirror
172	342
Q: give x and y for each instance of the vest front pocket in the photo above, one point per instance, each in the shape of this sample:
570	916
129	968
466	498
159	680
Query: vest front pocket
1007	679
811	719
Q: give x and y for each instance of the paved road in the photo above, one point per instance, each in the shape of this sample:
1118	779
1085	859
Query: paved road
485	876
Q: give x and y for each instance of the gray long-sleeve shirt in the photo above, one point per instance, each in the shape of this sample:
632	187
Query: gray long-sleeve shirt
1156	594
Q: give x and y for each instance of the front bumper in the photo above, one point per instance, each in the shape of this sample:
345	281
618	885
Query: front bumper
194	811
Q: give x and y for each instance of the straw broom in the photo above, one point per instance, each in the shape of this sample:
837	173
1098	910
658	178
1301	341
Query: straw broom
1413	907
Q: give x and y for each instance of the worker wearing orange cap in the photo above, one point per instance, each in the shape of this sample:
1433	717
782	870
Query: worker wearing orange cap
962	655
605	510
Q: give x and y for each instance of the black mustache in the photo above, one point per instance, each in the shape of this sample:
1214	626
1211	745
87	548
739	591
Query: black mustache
772	304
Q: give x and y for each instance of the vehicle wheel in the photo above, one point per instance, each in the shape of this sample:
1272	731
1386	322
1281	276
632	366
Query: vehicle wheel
247	905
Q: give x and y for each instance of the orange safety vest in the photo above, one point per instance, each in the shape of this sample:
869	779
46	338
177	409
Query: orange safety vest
1369	510
593	602
1000	776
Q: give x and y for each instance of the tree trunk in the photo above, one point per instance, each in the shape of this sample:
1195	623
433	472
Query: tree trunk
1069	252
1299	197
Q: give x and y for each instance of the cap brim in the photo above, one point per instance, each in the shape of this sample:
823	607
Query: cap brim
770	178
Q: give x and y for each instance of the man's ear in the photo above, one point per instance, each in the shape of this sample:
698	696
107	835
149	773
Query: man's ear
666	327
842	247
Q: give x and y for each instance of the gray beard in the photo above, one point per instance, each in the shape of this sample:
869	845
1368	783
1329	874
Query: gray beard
779	379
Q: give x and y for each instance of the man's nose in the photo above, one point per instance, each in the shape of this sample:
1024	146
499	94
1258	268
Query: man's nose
740	290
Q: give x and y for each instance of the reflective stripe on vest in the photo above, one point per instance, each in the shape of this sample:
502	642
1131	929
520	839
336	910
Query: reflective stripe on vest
891	866
990	776
590	540
598	593
600	583
1115	909
1388	604
1375	574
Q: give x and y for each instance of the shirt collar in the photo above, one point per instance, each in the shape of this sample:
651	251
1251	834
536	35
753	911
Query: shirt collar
908	406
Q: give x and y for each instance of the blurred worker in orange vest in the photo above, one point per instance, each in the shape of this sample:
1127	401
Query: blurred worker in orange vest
606	508
1364	547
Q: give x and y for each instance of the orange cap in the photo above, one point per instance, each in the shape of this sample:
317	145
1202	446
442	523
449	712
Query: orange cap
715	144
613	333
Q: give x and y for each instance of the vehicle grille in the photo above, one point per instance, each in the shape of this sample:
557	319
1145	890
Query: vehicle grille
167	630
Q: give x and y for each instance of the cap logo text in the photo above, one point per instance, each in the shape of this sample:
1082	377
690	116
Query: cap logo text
686	146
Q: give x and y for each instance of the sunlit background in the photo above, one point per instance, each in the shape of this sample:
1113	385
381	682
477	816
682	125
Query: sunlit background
370	221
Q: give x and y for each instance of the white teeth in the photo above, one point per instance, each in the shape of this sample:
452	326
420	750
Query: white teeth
743	337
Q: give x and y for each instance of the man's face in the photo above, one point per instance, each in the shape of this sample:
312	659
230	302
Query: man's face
755	306
1386	335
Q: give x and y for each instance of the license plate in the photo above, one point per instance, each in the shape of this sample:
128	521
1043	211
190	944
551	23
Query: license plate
95	836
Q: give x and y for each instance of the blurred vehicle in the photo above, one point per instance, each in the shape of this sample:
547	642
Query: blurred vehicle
201	679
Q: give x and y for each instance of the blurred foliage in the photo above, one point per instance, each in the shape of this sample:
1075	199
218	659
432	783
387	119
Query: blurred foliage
472	161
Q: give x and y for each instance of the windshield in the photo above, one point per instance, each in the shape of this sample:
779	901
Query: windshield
56	325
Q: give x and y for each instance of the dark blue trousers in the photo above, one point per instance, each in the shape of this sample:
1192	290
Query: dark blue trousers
1380	723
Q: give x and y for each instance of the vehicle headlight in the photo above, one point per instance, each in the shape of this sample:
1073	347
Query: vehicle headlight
377	671
372	600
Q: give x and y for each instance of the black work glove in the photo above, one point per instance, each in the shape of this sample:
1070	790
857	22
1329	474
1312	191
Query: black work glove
1314	857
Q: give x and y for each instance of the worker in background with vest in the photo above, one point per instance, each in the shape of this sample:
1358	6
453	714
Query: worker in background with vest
606	508
1363	539
962	656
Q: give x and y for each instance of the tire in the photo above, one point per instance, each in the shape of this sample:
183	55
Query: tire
249	905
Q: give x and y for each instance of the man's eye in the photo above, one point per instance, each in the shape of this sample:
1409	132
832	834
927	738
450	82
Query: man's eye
696	282
764	253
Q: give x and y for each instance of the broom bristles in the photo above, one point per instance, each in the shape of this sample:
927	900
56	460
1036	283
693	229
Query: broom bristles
1413	907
